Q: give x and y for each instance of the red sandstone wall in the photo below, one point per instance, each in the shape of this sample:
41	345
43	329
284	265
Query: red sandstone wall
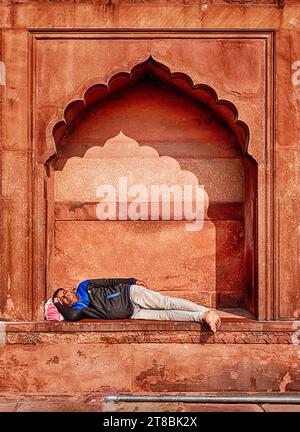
149	368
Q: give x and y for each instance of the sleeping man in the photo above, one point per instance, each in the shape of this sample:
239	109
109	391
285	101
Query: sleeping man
128	298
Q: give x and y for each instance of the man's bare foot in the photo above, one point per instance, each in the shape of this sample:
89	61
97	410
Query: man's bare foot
212	319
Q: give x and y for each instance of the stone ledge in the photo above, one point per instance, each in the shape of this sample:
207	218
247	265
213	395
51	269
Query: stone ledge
238	328
232	320
152	337
127	325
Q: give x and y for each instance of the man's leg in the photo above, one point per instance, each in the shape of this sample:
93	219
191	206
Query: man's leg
147	299
153	305
167	315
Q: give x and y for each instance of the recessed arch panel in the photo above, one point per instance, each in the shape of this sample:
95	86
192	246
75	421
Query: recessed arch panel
178	119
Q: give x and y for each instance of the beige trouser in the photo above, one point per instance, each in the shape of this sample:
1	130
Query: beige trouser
152	305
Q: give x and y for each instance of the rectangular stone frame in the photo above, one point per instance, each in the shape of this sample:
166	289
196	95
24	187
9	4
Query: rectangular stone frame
267	249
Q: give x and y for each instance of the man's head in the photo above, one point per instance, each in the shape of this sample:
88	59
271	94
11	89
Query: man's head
67	296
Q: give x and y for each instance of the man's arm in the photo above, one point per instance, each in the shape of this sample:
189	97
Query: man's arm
68	313
113	282
128	281
131	281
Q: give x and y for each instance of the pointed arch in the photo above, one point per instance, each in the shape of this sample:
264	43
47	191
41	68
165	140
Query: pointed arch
224	110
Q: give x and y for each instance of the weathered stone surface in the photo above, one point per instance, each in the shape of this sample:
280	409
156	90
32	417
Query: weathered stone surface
98	368
179	407
95	402
281	408
16	166
8	406
287	85
15	296
149	367
289	295
162	15
209	260
221	365
16	91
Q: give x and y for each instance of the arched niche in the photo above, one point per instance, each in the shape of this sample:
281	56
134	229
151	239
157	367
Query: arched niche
188	124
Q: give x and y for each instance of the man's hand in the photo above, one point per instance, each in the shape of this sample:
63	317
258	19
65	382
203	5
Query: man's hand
56	299
141	283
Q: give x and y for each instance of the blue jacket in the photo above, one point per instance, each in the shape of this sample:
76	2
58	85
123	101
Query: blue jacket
108	299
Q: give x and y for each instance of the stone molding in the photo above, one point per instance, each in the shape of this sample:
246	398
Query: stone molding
128	332
113	4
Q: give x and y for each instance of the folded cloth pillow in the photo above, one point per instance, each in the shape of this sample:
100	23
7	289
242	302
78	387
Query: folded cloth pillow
51	312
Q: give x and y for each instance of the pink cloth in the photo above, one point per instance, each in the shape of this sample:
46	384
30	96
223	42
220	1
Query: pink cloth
51	312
